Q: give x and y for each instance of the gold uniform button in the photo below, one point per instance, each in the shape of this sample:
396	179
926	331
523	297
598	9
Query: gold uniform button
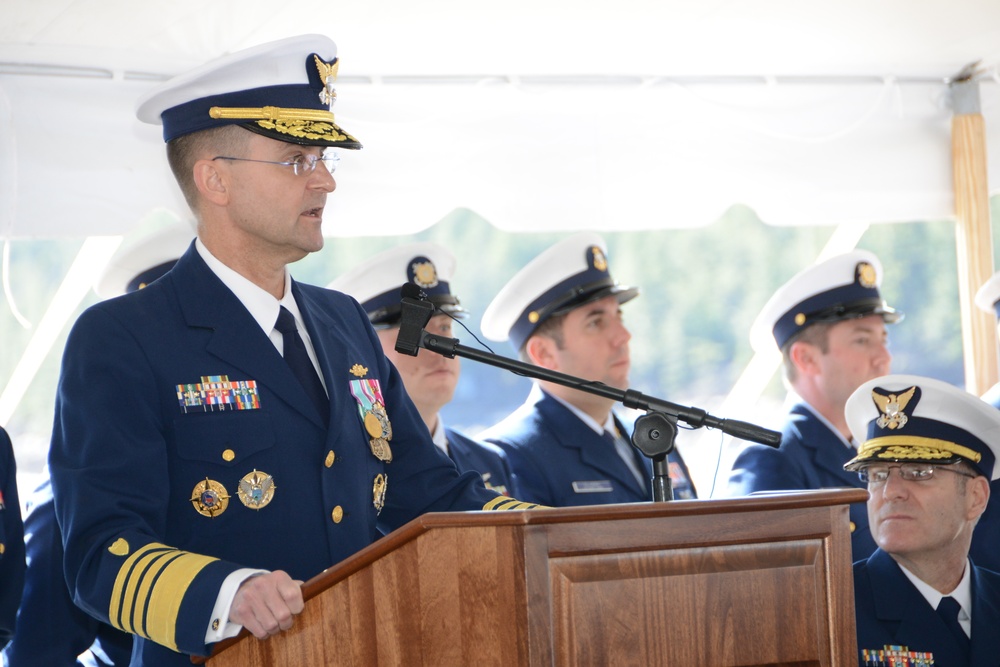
337	514
228	455
853	526
2	548
330	458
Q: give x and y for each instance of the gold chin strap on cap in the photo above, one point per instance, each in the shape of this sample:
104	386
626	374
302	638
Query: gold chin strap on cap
270	113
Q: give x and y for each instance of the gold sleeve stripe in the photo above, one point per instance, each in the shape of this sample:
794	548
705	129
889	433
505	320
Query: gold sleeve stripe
149	589
505	503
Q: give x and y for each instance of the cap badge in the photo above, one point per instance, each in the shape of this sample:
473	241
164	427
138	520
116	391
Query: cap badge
423	273
866	275
600	261
256	489
209	498
327	74
892	407
357	370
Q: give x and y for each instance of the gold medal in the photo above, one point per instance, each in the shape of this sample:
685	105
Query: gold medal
378	491
381	450
256	490
209	498
373	425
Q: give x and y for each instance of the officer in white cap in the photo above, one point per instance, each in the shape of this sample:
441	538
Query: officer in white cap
227	432
145	254
430	378
986	537
829	323
928	452
567	447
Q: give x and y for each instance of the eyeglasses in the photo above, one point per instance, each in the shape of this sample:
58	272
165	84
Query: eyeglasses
302	165
911	472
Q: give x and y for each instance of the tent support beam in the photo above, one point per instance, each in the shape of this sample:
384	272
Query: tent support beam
973	238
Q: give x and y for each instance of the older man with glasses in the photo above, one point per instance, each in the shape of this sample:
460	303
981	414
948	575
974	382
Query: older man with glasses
928	454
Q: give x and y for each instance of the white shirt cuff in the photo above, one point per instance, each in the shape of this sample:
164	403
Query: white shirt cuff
219	629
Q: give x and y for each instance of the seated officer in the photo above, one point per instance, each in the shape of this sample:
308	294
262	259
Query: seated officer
11	540
986	537
566	447
81	639
829	323
928	453
430	378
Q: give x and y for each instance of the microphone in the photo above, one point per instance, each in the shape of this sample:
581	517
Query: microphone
415	313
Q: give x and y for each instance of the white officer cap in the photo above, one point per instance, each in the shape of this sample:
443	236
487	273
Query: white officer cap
988	296
145	254
282	90
569	274
841	288
376	282
907	418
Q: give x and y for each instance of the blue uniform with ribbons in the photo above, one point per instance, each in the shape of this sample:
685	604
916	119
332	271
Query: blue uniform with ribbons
811	456
560	461
487	459
176	385
891	612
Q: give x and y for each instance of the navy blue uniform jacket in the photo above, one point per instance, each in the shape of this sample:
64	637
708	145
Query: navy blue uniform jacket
891	611
11	541
129	459
488	460
51	630
985	549
550	449
811	456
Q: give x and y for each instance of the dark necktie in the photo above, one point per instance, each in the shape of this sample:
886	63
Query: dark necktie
948	611
298	360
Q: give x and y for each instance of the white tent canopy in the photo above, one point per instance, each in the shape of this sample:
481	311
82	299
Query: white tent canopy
537	115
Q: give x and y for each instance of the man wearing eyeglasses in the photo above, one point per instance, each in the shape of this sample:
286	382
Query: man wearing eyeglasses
928	452
228	432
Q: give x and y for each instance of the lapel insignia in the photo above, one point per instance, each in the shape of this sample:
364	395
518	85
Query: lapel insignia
209	498
216	393
892	407
358	370
256	490
371	410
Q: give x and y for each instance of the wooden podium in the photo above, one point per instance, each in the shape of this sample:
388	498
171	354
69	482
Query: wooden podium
762	580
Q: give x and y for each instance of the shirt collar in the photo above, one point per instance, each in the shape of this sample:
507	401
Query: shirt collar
962	592
609	423
263	307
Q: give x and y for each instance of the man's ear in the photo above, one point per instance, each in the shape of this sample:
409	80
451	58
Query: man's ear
803	355
978	490
541	351
210	179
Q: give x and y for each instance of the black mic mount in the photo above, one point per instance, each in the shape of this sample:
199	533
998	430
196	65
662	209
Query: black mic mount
654	432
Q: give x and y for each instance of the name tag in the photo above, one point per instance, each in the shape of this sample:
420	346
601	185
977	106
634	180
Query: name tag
595	486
